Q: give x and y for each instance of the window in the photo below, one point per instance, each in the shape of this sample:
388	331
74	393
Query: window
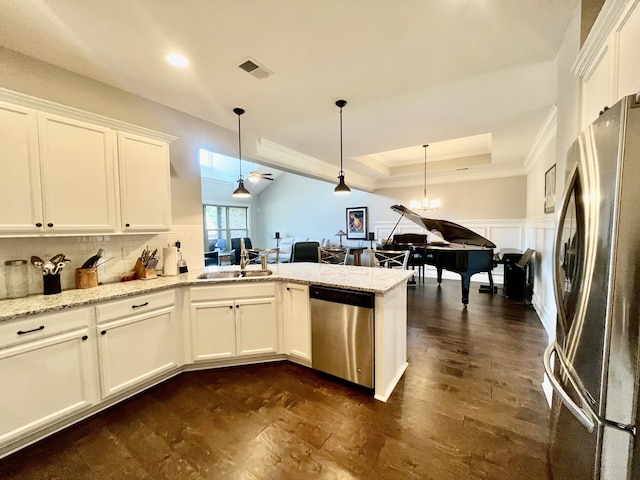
221	224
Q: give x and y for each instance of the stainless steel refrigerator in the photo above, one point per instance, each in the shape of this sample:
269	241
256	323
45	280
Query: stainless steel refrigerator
594	363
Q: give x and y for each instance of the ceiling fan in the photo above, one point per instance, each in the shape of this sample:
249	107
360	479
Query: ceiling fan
255	176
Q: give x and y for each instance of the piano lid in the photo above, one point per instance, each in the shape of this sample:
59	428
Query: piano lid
451	232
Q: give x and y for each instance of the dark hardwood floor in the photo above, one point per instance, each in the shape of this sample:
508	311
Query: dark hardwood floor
470	406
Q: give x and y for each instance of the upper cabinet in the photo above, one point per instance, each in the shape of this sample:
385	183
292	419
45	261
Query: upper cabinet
20	166
78	176
607	63
71	172
144	183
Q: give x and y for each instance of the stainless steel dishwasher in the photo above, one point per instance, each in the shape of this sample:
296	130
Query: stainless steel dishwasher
342	333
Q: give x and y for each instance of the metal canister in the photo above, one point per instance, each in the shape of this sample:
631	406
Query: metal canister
15	272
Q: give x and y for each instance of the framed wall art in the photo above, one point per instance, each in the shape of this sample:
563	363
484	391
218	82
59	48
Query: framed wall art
357	223
550	190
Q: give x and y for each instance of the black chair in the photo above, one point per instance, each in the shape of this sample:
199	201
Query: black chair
210	258
305	252
235	246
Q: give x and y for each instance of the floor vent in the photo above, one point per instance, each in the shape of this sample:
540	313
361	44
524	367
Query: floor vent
255	69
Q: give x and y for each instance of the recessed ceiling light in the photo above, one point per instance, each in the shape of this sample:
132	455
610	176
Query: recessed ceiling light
177	60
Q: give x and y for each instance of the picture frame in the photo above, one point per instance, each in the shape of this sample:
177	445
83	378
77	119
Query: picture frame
357	223
550	190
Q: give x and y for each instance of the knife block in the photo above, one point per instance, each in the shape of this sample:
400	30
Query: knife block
144	273
86	277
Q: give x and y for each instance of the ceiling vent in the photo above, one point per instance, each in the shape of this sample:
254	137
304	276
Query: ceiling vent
254	68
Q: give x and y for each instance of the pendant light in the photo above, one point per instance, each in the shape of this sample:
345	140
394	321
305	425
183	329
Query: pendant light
241	191
341	188
425	203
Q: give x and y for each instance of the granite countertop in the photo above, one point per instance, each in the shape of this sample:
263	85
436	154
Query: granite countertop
376	280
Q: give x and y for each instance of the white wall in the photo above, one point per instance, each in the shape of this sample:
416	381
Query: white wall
555	138
298	206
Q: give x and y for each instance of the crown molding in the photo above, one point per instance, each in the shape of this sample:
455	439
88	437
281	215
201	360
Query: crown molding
47	106
547	132
597	40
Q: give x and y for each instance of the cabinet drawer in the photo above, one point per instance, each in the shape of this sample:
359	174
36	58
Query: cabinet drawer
35	327
221	292
134	305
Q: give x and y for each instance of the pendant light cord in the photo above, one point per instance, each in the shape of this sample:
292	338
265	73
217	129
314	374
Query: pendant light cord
425	171
240	146
341	171
239	111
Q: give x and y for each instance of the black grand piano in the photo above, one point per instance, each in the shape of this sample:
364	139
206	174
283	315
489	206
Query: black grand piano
462	250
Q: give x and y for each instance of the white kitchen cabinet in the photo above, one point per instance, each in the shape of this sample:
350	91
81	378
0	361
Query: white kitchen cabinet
20	194
296	321
233	321
138	340
78	176
144	183
213	330
47	372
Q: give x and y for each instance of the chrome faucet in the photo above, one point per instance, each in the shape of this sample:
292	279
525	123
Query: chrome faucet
244	256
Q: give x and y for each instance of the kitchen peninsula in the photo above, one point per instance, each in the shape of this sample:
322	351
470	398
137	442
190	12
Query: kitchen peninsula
70	355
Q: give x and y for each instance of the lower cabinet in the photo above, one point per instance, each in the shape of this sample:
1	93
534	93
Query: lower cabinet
233	321
297	321
137	340
47	371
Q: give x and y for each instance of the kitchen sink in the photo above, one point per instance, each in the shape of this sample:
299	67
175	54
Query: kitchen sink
234	274
222	274
256	273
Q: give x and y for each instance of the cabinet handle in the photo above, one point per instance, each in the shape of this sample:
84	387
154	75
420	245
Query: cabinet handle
231	307
22	332
141	305
49	225
84	337
38	224
127	225
103	332
237	306
288	289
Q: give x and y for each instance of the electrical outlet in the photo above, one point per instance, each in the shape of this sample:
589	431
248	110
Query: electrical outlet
126	252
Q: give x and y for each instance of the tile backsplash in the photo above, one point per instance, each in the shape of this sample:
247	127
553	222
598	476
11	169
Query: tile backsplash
122	249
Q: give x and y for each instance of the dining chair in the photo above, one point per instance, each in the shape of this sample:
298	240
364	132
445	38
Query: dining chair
305	252
336	256
390	258
255	254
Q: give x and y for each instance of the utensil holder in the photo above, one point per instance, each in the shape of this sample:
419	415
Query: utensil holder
86	277
144	273
51	284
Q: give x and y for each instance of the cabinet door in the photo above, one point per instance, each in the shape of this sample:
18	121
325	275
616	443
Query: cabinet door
257	326
213	330
44	381
136	349
297	321
144	183
78	175
20	195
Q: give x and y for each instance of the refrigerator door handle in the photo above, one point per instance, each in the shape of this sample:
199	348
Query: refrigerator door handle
585	417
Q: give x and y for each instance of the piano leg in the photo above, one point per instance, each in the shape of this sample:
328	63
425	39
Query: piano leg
439	269
465	280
